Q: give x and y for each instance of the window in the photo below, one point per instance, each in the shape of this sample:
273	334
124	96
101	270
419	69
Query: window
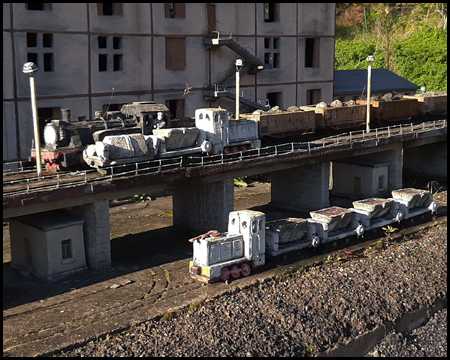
312	52
38	6
274	99
34	41
313	96
66	248
272	52
380	183
31	39
47	40
109	9
110	55
48	62
174	10
176	108
175	53
270	12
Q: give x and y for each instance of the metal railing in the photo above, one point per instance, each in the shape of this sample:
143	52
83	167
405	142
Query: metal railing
160	165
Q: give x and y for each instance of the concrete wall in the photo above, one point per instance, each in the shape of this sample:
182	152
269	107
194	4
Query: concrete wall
302	188
77	83
203	207
97	233
428	159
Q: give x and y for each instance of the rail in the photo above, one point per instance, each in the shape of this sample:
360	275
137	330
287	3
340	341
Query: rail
62	180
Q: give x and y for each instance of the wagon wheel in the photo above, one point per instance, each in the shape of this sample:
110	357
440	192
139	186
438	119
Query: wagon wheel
235	272
225	274
245	270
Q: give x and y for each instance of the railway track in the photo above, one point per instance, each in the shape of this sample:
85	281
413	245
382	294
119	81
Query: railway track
25	180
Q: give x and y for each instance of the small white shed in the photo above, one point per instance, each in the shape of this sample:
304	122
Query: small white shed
47	244
360	178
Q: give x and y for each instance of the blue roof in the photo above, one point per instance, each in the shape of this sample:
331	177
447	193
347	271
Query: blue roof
383	81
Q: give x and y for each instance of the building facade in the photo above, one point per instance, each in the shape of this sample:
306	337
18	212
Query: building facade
98	56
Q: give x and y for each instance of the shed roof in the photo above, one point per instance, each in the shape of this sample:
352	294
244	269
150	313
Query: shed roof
383	81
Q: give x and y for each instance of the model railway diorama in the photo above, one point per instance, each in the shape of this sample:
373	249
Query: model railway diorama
144	130
237	252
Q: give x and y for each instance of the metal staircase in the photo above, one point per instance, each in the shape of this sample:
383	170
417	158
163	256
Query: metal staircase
253	65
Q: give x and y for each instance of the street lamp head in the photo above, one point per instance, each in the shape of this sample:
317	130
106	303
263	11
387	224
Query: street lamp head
370	58
29	68
239	64
423	89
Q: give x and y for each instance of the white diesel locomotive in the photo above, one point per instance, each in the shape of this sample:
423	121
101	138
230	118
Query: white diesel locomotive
219	256
213	134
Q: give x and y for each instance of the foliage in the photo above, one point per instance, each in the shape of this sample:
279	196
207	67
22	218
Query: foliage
409	39
141	198
240	182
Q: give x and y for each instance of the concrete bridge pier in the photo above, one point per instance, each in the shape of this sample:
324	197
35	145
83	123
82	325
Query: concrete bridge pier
303	188
203	207
430	160
97	233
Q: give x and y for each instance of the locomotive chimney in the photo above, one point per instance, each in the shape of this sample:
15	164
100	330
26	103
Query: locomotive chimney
65	115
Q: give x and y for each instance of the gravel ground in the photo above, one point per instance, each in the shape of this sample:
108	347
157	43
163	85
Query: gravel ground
306	313
429	340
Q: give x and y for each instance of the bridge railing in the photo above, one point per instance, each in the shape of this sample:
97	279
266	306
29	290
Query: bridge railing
62	180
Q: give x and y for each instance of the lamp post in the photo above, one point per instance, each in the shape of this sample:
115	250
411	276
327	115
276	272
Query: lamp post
30	68
370	59
239	66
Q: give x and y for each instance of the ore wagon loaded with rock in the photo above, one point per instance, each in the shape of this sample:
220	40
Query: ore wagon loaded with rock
219	256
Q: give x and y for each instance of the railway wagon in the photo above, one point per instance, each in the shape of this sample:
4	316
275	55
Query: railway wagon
431	103
337	115
237	252
279	123
213	133
392	110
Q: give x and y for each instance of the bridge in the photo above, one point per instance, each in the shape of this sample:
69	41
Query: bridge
203	188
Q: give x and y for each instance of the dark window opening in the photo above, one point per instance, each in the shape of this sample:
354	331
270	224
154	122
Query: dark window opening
276	43
66	248
274	99
276	60
267	58
102	42
31	39
33	57
270	12
38	6
47	40
313	96
112	107
102	62
176	108
174	10
108	9
266	43
117	42
48	62
45	115
312	52
117	62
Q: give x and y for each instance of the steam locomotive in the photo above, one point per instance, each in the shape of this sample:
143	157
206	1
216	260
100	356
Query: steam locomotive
145	130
